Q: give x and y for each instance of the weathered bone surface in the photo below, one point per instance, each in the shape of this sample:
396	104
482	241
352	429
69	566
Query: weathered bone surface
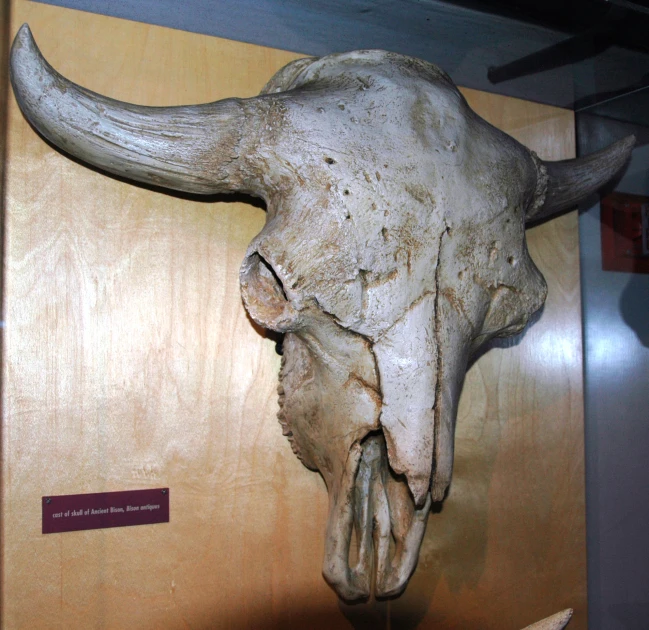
394	248
555	622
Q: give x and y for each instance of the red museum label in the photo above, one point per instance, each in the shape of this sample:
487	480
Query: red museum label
625	233
75	512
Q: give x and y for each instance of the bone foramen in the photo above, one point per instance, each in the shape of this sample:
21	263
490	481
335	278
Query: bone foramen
394	248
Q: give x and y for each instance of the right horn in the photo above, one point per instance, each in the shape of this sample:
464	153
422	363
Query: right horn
194	149
571	181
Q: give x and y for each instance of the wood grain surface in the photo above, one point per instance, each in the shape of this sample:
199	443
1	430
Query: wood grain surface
129	362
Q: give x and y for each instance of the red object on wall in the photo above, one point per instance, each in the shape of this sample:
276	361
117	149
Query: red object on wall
625	233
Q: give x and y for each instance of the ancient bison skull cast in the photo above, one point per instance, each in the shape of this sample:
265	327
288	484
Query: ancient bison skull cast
394	248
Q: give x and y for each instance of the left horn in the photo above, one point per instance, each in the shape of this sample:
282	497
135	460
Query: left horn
192	149
571	181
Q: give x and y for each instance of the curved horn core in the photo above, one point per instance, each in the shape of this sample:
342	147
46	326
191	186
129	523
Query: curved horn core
193	149
571	181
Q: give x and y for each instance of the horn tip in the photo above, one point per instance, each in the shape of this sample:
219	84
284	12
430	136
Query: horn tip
554	622
620	152
627	144
24	37
23	46
20	48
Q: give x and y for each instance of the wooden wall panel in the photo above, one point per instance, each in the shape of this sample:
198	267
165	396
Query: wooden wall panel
129	362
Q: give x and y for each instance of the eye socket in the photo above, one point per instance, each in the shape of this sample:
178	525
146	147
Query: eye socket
269	276
264	296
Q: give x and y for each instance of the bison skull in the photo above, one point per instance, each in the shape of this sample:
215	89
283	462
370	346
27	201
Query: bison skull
394	248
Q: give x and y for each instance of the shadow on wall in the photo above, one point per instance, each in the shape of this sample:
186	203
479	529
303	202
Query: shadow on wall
377	614
634	307
374	615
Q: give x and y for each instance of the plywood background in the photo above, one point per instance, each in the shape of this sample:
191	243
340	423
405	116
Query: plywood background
129	362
